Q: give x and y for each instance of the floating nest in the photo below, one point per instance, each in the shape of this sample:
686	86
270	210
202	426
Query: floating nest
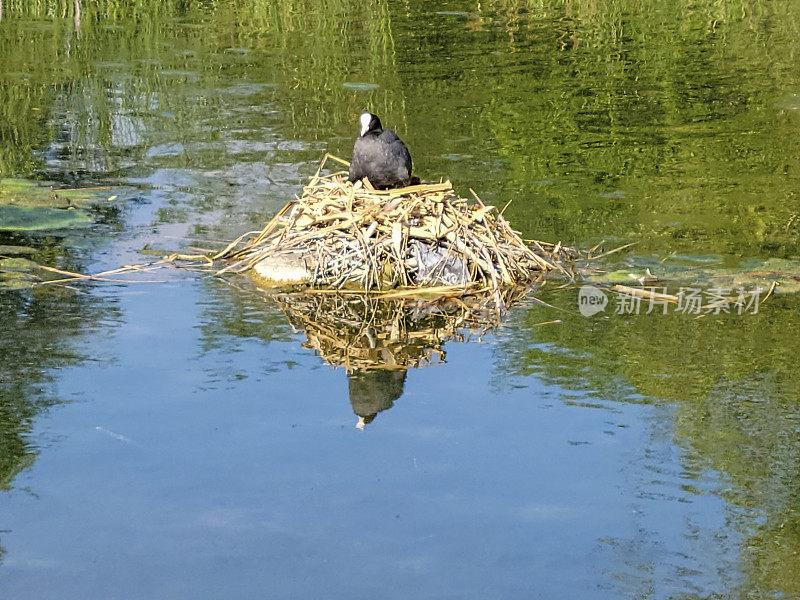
337	235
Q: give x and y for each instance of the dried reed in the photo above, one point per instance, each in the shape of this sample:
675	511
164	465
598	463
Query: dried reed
421	237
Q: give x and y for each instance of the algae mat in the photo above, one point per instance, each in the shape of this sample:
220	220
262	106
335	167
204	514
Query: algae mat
35	206
29	218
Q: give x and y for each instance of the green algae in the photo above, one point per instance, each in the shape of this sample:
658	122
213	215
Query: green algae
9	250
27	205
31	218
748	274
16	273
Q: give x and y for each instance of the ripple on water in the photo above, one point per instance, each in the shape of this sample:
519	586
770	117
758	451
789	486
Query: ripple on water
789	102
295	145
245	89
248	146
360	87
16	77
127	131
189	76
110	66
165	150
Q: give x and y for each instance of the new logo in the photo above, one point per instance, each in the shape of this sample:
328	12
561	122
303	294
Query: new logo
591	300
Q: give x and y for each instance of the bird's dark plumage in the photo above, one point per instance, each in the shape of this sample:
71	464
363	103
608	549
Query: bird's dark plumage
380	156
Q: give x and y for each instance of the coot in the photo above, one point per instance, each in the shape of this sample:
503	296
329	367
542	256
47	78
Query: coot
380	156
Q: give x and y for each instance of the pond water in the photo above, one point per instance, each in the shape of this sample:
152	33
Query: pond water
182	439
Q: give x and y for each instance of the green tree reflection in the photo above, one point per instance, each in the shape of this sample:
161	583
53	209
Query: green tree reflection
672	126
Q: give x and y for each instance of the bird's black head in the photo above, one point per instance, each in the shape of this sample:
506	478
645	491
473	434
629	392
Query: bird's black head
370	124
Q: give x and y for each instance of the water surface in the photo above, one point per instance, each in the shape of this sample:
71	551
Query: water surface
182	440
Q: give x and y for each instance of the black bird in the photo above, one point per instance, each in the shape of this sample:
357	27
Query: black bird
380	156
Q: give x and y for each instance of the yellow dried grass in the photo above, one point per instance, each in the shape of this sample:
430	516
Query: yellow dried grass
359	237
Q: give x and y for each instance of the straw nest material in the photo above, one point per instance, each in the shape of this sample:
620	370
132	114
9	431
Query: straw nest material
338	235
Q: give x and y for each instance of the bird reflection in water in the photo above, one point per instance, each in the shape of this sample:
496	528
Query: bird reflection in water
374	391
378	340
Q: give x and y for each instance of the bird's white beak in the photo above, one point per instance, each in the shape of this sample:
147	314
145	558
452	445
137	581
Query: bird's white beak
365	119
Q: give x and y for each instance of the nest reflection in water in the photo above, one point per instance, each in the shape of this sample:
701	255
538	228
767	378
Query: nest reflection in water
378	340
